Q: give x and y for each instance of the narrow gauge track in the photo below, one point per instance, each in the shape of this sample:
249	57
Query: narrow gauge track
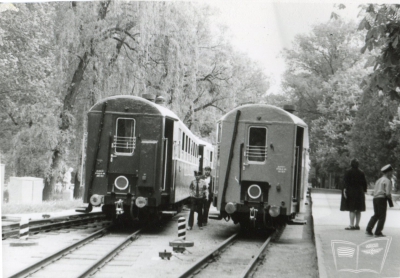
235	257
82	258
51	224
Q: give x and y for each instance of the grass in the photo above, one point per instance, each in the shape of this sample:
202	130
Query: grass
45	206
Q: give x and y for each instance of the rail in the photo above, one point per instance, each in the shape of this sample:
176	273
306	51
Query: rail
210	255
199	266
97	265
36	226
57	255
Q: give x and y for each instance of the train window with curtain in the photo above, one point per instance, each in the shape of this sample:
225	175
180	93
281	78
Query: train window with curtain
256	149
183	141
190	149
186	148
183	145
178	148
124	139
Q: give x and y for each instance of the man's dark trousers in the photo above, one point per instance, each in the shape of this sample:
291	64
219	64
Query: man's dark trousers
196	205
207	204
380	206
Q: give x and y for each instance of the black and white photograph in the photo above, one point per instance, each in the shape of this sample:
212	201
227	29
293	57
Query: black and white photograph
204	138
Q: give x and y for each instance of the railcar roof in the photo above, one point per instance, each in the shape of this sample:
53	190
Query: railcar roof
205	143
258	108
163	111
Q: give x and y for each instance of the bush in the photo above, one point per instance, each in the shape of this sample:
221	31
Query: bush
45	206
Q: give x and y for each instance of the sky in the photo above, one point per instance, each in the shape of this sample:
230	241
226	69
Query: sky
262	29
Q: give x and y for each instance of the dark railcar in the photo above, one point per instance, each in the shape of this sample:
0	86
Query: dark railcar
140	158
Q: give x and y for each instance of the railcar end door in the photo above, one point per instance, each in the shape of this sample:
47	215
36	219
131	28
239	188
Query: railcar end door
122	146
298	156
254	153
167	171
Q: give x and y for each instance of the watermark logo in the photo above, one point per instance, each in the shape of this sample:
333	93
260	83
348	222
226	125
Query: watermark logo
368	256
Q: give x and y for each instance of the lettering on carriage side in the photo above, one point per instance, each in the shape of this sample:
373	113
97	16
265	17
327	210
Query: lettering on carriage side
281	169
100	173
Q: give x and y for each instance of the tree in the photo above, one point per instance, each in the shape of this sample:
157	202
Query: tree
331	132
314	58
374	142
27	59
60	58
383	33
382	87
324	70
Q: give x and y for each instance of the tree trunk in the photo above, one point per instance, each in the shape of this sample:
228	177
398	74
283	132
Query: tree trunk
50	183
66	115
77	186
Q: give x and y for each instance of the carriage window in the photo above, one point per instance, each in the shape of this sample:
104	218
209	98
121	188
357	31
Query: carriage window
124	139
211	156
256	149
183	141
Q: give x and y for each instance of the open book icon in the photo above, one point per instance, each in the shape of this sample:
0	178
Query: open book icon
368	256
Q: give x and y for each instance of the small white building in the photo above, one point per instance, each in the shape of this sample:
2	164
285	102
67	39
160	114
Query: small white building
25	190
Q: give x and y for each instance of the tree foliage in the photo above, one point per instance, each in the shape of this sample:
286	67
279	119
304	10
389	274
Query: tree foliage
57	59
382	23
379	118
324	70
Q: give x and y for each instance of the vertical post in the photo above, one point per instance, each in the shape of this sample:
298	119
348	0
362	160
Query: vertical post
24	227
182	228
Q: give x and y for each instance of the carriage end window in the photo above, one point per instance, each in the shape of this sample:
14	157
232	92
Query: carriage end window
124	139
256	148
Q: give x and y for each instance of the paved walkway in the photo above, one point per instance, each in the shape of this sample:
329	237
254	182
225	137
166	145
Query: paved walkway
343	253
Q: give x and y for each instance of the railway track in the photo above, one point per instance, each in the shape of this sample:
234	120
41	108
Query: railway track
235	257
46	225
82	258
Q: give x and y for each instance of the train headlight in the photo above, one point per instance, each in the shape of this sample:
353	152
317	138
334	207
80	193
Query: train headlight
140	202
254	191
230	207
121	183
274	211
96	200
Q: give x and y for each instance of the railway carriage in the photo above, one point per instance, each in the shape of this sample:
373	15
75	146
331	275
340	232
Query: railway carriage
140	158
261	166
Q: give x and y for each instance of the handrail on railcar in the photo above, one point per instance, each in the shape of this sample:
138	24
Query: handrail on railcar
230	156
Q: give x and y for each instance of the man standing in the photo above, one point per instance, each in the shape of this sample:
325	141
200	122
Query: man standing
210	186
382	195
198	195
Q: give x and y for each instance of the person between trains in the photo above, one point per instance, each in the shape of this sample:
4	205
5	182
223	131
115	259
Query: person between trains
382	196
208	179
198	196
353	198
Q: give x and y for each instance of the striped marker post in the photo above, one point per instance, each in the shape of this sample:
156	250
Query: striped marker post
182	228
24	228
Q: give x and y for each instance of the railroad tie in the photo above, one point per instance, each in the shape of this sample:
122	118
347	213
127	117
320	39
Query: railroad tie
182	228
24	228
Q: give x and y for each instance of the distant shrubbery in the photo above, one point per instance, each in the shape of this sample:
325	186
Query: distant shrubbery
46	206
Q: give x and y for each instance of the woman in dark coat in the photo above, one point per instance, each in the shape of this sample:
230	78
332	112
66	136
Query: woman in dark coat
355	186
